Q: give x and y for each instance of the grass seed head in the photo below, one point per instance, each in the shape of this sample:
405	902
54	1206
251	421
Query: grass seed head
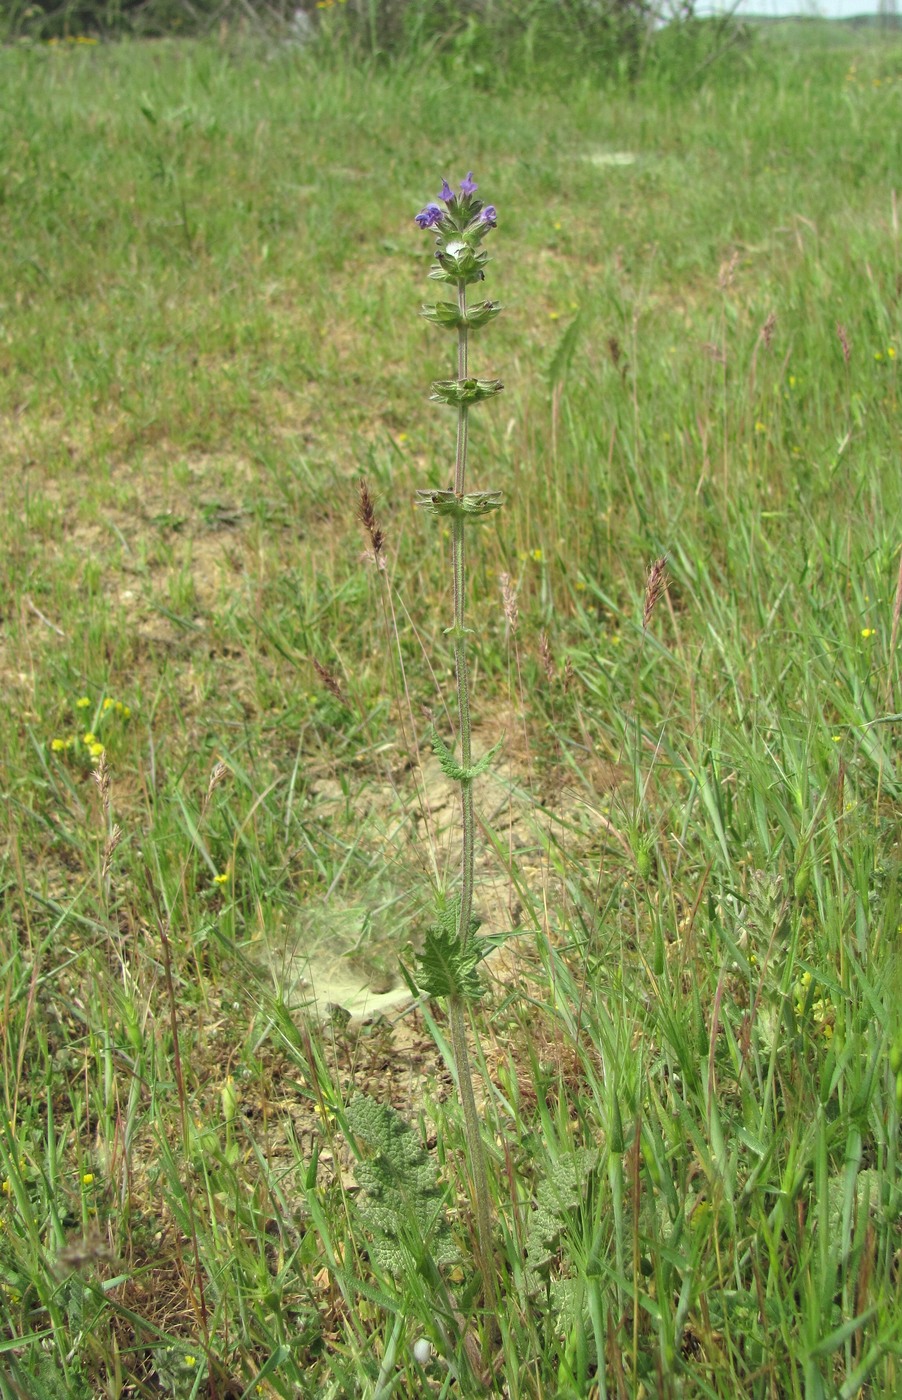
102	777
844	341
109	847
217	777
366	514
546	657
330	681
509	602
656	585
727	275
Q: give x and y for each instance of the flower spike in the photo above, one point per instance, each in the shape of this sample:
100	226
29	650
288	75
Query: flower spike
448	965
430	216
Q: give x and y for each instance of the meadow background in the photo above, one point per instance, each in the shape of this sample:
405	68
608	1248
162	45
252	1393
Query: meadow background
212	739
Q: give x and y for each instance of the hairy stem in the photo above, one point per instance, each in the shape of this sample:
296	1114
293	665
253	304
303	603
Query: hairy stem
461	666
456	1005
478	1171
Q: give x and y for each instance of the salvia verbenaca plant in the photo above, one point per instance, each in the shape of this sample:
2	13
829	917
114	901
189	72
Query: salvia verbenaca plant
447	966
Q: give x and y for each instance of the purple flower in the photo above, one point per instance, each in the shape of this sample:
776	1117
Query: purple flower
430	216
469	185
489	216
447	194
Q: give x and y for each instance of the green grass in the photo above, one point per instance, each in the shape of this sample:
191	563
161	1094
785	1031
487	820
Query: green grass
208	333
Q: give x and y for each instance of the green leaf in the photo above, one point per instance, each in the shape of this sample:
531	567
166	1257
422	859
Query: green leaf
456	771
563	351
462	393
447	965
827	1345
558	1196
459	262
403	1203
449	316
448	503
445	314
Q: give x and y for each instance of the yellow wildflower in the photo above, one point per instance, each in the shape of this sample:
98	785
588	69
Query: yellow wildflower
88	1179
868	632
89	738
82	702
222	879
58	745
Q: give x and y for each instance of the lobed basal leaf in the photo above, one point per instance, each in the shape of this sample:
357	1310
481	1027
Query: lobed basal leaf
558	1197
404	1205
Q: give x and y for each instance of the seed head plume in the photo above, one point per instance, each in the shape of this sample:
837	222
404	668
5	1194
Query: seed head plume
109	846
329	681
366	514
103	779
217	776
727	274
844	341
546	657
509	602
656	585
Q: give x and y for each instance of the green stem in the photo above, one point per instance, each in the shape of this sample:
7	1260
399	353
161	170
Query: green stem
478	1171
456	1010
461	666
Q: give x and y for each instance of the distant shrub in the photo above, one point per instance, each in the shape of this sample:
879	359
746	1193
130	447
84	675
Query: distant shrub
487	37
62	19
493	37
692	50
490	42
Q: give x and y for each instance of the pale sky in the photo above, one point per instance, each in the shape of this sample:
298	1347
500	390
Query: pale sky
829	9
